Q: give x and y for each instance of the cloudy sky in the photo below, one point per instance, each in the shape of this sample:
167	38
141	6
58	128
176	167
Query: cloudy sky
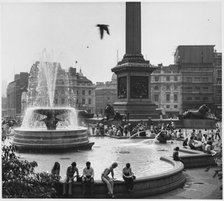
68	31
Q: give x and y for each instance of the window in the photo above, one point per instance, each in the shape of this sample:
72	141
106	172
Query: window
156	87
176	106
156	78
167	87
56	101
83	101
168	97
197	79
77	92
167	106
175	87
205	88
62	101
156	98
205	79
219	80
219	91
197	98
83	92
205	98
175	98
89	92
90	101
167	71
219	72
188	89
197	88
189	98
189	79
167	78
175	78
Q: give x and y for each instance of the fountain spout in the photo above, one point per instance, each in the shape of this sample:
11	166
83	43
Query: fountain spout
51	119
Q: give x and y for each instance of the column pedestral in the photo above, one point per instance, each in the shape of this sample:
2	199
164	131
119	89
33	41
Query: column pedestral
134	88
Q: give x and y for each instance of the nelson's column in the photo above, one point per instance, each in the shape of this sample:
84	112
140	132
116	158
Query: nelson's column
134	72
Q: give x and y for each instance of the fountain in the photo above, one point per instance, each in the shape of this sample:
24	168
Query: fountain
49	127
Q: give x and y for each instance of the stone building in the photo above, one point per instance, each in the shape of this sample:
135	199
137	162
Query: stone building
14	93
84	90
4	106
196	67
71	89
106	93
217	84
166	90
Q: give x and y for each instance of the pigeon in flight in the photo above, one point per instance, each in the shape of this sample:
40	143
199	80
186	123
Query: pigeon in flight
102	28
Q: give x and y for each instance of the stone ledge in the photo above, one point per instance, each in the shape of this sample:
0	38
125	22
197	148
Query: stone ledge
196	159
143	186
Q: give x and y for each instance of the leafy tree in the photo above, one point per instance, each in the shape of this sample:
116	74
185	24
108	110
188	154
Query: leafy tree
20	181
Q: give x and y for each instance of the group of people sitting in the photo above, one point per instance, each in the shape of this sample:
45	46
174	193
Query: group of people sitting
202	142
87	178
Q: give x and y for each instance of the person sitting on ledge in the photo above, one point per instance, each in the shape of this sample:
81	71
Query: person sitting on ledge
128	177
176	154
71	170
209	149
109	181
191	143
195	145
88	178
56	170
185	143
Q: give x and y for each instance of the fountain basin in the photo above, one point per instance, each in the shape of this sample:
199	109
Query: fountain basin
143	186
55	140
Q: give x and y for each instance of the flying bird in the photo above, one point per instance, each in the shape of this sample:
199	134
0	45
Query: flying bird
102	28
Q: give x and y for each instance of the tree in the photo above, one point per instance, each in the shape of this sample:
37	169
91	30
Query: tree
20	181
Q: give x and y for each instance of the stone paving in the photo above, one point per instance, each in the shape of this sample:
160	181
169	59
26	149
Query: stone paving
200	184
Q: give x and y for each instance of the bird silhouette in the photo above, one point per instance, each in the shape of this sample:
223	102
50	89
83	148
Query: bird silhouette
102	28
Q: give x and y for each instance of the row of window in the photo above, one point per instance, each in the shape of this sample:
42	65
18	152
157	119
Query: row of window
84	92
167	87
197	79
175	106
167	78
175	97
197	98
196	88
85	101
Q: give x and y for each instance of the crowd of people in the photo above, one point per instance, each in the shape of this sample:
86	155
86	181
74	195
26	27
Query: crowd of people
202	141
127	129
87	178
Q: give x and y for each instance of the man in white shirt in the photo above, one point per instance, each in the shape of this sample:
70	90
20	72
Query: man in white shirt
88	179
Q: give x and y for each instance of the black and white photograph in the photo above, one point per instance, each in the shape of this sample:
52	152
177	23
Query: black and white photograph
111	99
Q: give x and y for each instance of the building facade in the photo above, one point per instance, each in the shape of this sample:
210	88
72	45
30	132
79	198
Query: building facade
14	94
106	93
166	90
196	67
85	93
217	84
71	89
4	106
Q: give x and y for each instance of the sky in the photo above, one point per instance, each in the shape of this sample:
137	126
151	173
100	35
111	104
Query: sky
69	34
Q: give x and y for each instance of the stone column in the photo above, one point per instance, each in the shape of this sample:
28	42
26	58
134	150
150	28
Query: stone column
133	28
